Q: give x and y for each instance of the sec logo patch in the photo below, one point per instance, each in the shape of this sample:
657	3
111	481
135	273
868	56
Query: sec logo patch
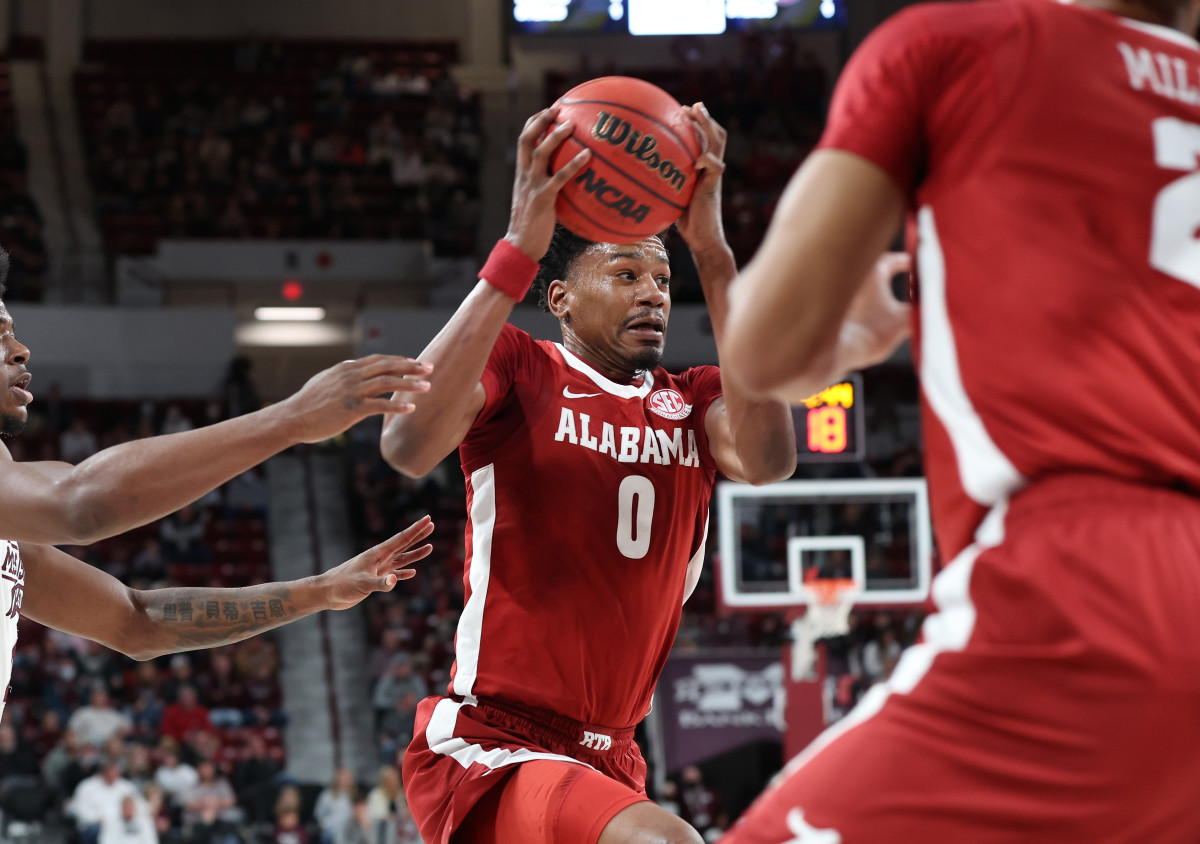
669	404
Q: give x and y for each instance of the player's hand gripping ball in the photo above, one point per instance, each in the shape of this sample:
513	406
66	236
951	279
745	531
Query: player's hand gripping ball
642	171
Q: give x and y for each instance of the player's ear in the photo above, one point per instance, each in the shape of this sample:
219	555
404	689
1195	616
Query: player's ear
558	299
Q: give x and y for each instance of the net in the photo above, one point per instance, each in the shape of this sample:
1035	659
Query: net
829	601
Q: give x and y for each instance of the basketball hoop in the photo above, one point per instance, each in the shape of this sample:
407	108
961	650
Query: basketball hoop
829	600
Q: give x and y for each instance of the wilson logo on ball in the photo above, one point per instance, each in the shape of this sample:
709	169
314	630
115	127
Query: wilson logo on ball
620	132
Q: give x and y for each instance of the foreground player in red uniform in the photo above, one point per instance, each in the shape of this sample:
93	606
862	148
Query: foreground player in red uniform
589	471
45	503
1048	155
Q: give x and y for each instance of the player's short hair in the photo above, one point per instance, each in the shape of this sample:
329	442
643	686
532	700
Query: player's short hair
565	247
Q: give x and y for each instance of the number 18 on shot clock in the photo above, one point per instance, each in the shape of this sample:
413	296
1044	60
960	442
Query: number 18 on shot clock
830	424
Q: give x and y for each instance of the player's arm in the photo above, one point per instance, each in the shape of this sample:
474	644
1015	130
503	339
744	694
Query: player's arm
68	595
816	301
416	442
137	482
751	439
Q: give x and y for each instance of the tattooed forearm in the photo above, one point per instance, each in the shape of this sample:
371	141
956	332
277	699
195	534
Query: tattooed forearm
183	619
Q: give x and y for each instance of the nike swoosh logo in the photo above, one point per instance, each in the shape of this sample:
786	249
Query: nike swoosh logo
567	394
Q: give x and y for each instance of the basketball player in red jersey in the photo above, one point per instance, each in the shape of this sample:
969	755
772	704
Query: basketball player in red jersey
46	503
589	471
1048	157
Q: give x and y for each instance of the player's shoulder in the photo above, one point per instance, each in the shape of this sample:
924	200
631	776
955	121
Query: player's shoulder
517	341
973	20
693	383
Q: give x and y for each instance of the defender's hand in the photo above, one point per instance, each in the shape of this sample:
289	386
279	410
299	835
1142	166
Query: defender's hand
877	322
535	189
347	393
378	569
700	224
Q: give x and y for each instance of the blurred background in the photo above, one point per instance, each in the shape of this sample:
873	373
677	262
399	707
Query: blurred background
172	174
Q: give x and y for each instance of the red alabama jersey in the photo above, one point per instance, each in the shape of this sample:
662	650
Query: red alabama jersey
1050	153
586	501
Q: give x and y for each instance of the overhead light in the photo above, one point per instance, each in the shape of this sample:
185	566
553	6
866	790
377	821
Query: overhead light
293	334
289	314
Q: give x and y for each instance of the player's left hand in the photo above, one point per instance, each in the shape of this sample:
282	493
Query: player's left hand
377	569
877	322
700	224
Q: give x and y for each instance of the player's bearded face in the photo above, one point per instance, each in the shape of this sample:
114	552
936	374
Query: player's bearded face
12	424
621	300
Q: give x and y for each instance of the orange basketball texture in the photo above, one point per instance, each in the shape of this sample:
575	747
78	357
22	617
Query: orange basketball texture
642	172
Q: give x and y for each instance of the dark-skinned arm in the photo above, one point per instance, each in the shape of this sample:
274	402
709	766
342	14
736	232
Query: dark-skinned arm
752	440
416	442
66	594
137	482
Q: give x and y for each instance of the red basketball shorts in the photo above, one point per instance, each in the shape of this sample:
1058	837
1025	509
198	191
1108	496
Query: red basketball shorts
1055	696
462	756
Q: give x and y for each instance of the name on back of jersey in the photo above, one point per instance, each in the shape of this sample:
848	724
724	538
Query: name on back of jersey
628	443
1167	76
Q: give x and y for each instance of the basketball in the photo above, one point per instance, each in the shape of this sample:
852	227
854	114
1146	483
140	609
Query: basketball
642	171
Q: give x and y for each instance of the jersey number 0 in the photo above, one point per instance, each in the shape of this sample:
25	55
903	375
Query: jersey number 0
1174	246
635	513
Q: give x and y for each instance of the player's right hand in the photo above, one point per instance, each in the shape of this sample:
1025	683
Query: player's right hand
877	322
535	188
348	392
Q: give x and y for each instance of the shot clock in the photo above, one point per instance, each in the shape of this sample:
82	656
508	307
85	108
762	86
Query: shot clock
829	424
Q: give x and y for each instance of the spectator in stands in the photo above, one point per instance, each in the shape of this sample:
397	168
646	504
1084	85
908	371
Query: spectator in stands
208	827
16	755
335	805
185	716
880	655
288	829
702	806
96	663
97	800
148	564
158	808
66	765
211	792
264	697
77	443
392	686
175	777
97	722
382	802
358	828
139	766
246	496
223	691
179	674
255	780
406	825
396	727
134	824
182	535
45	734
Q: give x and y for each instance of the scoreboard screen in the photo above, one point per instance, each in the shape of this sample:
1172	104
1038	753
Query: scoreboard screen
674	17
830	424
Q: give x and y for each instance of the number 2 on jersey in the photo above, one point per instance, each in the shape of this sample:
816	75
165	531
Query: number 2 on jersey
635	512
1175	240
